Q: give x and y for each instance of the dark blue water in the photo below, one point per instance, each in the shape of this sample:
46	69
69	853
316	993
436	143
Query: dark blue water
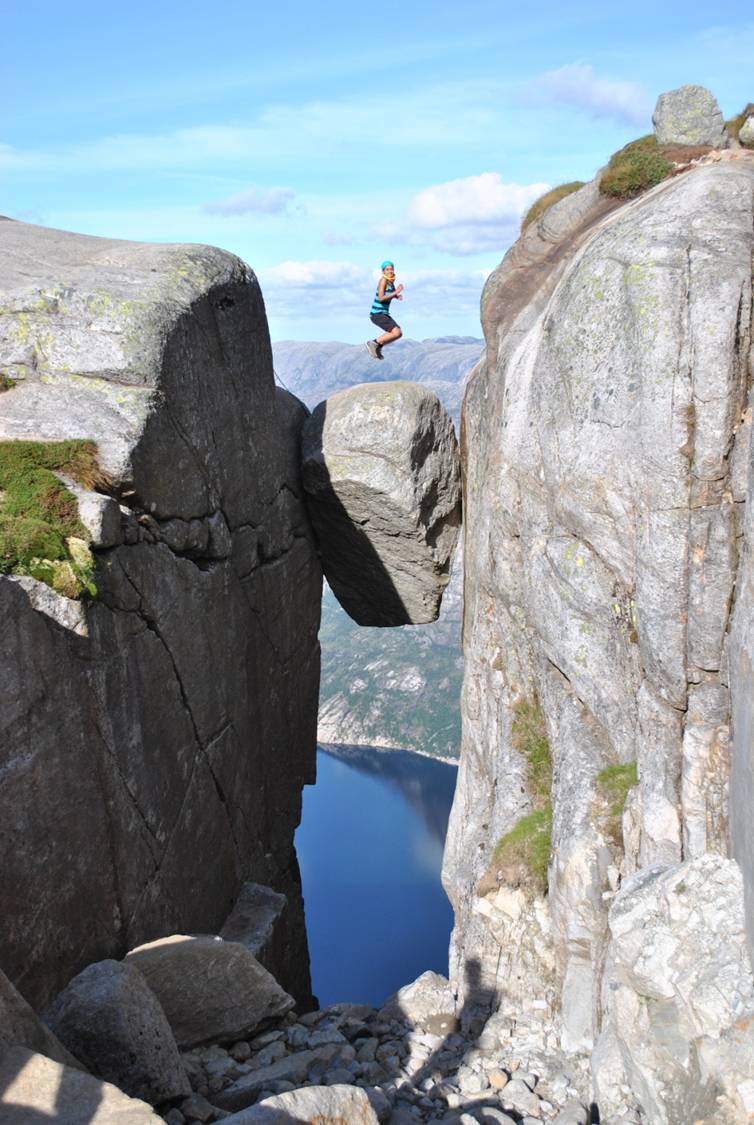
370	849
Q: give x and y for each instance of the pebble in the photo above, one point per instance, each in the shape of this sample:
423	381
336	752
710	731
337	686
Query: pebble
509	1071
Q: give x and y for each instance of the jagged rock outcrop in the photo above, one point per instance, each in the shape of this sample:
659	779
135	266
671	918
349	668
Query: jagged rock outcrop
153	740
381	472
689	115
20	1026
678	996
606	440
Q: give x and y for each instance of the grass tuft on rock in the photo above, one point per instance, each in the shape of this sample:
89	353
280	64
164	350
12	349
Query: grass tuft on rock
41	534
6	383
529	738
546	201
734	124
635	168
613	785
521	856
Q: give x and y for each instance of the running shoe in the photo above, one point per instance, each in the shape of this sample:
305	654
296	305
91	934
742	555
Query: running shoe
379	352
373	348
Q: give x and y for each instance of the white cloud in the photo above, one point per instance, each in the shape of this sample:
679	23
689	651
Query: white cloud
473	215
348	288
267	201
576	85
471	201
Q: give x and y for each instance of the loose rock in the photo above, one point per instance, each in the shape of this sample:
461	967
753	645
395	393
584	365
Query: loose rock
35	1088
325	1105
689	115
210	989
109	1018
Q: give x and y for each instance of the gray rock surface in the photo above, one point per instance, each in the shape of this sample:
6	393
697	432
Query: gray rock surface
20	1026
606	445
746	132
210	989
679	994
427	1002
257	921
689	115
34	1088
315	1105
160	808
108	1017
382	476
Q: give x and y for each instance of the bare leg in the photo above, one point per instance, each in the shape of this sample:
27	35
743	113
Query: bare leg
389	337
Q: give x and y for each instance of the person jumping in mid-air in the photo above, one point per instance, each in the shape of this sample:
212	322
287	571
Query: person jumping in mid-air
387	291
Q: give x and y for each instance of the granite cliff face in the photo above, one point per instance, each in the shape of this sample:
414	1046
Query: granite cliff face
606	439
154	740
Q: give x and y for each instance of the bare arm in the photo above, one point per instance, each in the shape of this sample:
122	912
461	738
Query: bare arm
383	296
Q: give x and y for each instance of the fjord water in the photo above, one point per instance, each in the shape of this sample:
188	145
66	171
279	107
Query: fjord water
370	849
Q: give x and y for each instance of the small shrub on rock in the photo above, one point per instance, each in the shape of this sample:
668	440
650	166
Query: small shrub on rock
522	855
735	124
638	166
546	201
41	534
613	785
6	383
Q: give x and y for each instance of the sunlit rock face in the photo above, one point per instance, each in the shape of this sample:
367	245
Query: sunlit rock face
606	447
382	476
153	740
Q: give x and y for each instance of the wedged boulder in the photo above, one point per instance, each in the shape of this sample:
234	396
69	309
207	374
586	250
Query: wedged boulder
313	1105
256	923
210	989
427	1002
382	476
746	132
20	1026
112	1021
34	1088
689	115
678	994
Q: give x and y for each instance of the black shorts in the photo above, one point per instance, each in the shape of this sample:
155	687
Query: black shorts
383	321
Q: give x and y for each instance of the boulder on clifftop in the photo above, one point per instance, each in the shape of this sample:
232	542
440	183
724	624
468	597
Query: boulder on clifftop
382	474
211	990
689	115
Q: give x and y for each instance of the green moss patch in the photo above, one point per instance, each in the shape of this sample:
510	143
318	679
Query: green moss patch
41	534
521	856
529	738
546	201
734	125
6	383
638	166
613	785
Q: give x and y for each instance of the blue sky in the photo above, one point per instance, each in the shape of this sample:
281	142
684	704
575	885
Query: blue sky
316	139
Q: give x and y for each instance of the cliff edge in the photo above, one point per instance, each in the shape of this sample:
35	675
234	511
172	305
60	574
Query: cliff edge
156	731
606	441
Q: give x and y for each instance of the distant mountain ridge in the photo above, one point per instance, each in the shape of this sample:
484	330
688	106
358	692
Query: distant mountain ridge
313	371
388	687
